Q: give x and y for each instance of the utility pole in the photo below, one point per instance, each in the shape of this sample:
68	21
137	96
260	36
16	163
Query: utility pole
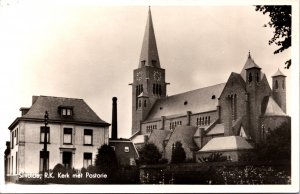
45	145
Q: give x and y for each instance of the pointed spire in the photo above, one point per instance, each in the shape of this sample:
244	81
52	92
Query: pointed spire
278	73
248	65
149	54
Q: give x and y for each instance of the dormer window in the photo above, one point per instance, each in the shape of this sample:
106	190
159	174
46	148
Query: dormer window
66	111
143	62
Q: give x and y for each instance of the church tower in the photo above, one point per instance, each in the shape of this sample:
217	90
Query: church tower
148	79
279	89
253	83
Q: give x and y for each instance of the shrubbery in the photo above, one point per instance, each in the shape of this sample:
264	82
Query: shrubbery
149	154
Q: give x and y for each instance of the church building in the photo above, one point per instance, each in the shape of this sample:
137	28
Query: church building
228	117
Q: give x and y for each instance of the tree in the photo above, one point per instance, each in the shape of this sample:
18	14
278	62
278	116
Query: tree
281	22
149	154
178	153
277	145
106	161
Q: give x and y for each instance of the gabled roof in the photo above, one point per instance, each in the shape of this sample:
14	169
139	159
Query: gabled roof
184	134
236	78
200	100
149	53
278	73
82	113
159	135
271	108
226	143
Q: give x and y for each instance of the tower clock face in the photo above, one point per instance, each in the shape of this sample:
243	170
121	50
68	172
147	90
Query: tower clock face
157	76
139	76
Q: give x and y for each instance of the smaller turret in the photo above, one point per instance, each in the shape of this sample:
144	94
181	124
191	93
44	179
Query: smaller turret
279	89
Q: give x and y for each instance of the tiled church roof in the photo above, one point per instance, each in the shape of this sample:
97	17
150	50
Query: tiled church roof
184	134
200	100
226	143
271	108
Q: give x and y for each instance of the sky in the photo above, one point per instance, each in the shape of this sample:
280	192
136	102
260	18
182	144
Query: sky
89	51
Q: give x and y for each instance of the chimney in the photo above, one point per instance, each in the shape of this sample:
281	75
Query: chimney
114	125
24	110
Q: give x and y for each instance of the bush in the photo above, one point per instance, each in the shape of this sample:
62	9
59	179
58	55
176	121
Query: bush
106	162
59	168
277	145
178	153
215	157
149	154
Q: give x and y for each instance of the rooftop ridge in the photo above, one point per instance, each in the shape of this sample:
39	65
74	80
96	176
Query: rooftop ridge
196	89
60	97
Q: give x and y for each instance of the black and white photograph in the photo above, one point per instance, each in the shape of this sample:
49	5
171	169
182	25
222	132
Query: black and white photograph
149	96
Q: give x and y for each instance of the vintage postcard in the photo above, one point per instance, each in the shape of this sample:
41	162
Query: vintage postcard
149	96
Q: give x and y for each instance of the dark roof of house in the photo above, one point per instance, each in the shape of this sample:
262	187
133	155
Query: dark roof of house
82	113
200	100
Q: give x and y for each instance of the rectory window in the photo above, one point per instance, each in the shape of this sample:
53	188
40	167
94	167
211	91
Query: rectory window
88	136
87	159
67	135
42	134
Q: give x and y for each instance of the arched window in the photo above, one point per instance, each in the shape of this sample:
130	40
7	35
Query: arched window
142	89
276	84
250	78
282	84
156	89
205	120
209	120
140	103
145	103
257	77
